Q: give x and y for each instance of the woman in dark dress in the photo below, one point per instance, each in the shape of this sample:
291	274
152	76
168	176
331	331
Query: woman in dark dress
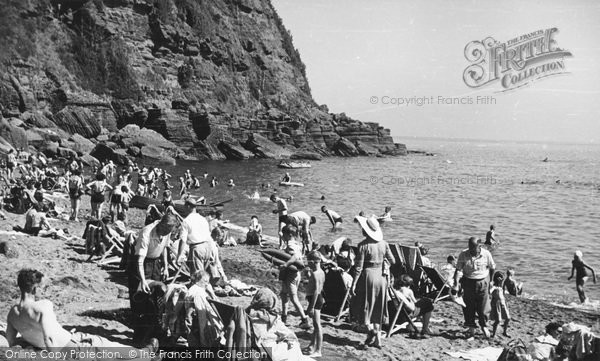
369	287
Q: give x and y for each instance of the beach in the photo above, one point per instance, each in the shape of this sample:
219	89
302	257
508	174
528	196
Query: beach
94	299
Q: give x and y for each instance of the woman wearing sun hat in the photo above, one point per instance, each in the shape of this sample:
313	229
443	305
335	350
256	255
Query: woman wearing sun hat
369	286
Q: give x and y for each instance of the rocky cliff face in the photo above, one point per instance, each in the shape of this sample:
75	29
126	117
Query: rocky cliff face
209	76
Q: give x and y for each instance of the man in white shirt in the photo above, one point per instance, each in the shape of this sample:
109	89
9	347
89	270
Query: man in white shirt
478	267
195	233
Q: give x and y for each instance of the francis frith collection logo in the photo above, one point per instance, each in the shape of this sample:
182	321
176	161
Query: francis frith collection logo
516	62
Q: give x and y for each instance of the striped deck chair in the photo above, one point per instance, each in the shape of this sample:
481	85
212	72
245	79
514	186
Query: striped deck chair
440	284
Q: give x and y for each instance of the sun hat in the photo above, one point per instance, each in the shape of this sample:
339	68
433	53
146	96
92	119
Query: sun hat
371	227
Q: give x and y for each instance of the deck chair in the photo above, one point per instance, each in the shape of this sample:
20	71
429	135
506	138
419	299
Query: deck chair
115	250
399	317
336	296
241	338
441	285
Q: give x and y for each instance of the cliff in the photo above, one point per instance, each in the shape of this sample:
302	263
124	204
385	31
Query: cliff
212	77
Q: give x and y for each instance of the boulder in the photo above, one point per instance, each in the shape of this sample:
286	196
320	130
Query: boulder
9	249
233	150
37	119
74	119
365	149
344	148
90	161
306	154
66	152
397	150
5	146
102	152
50	149
38	136
79	144
264	148
156	155
13	135
133	151
132	135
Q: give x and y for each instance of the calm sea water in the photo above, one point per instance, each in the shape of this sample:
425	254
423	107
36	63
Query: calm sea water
543	211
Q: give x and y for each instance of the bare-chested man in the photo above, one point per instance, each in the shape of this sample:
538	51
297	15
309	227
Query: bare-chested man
37	324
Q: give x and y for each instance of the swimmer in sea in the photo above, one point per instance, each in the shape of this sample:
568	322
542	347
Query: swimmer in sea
286	178
334	218
386	216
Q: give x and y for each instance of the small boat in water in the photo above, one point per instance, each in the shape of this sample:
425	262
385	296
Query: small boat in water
291	184
293	165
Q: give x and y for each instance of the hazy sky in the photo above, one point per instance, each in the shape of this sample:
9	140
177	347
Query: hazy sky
355	50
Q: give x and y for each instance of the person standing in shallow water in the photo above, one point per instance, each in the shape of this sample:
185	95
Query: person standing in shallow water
580	269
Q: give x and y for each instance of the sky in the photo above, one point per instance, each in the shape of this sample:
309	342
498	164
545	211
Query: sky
363	56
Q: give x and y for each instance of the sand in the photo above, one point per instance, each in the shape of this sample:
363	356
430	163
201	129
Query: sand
94	299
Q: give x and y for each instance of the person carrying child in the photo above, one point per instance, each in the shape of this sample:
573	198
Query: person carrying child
499	308
315	300
580	269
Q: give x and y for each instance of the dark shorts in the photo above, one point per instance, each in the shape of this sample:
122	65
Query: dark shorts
97	197
318	303
283	219
338	220
10	165
580	281
423	306
115	198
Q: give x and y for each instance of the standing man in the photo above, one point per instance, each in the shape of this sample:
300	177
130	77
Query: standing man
478	268
302	221
203	253
281	211
149	263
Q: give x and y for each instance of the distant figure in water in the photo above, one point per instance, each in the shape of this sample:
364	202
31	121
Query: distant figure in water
205	175
322	198
386	216
490	237
286	178
231	184
545	159
213	182
581	275
254	195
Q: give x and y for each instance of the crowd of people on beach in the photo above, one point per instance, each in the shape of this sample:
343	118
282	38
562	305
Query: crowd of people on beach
171	244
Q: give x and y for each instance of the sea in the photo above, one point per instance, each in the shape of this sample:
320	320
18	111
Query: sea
543	211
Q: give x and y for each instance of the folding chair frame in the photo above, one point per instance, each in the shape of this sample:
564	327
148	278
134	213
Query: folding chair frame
344	310
439	289
393	326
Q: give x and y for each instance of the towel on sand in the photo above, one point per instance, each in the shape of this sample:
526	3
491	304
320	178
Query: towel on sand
479	354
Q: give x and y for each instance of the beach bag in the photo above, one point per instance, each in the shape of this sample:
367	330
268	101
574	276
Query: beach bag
515	350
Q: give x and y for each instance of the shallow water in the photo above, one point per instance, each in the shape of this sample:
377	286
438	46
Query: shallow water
442	200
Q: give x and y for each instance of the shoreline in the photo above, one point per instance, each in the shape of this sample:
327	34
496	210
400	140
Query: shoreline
94	299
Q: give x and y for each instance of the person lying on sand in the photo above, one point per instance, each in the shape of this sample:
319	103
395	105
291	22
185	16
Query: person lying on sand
37	324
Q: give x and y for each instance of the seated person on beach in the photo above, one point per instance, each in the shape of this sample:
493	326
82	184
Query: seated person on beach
334	218
386	216
36	322
345	265
448	270
36	224
543	347
342	249
511	286
254	235
426	262
271	332
415	308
